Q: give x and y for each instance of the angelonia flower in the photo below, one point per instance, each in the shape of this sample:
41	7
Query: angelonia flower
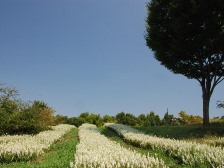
26	147
96	150
217	141
190	153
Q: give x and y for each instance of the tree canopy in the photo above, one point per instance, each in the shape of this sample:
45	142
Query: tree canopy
187	37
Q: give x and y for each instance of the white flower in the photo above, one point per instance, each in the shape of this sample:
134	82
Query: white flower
189	152
95	150
25	147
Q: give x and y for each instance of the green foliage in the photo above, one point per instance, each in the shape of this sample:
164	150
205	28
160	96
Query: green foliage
86	118
220	104
60	119
150	119
109	119
141	119
169	120
217	121
75	121
30	120
120	117
186	119
18	117
130	119
84	115
187	37
6	93
4	121
8	103
183	132
43	114
95	119
127	119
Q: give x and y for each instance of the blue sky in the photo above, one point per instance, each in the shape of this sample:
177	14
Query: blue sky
90	55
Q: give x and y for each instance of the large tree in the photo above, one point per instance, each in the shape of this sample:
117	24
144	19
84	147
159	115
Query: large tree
187	37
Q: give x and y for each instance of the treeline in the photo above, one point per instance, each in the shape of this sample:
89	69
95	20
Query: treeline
19	117
150	119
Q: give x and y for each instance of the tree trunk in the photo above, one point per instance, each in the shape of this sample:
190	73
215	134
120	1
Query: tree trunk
206	100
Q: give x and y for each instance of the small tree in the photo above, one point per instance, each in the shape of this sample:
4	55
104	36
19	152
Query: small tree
152	119
109	119
43	114
187	37
186	119
60	119
8	103
130	119
168	119
75	121
84	115
95	119
18	117
142	119
127	119
120	117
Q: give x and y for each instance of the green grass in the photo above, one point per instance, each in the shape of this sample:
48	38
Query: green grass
112	135
59	155
183	132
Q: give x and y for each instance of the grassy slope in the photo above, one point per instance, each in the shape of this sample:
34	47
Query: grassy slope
59	156
183	132
112	135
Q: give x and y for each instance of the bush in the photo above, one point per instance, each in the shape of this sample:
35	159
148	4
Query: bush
4	121
75	121
18	117
127	119
186	119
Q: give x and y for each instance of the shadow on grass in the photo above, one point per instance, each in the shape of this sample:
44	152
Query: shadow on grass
183	132
109	133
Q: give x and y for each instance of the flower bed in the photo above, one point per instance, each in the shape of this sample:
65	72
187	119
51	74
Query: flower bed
95	150
218	141
26	147
188	152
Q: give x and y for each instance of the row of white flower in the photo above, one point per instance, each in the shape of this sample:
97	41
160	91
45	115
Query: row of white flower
189	152
96	150
218	141
25	147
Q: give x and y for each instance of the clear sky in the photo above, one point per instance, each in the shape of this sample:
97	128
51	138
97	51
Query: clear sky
90	55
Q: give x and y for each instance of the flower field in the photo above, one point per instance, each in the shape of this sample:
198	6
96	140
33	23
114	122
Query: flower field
190	153
95	150
26	147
